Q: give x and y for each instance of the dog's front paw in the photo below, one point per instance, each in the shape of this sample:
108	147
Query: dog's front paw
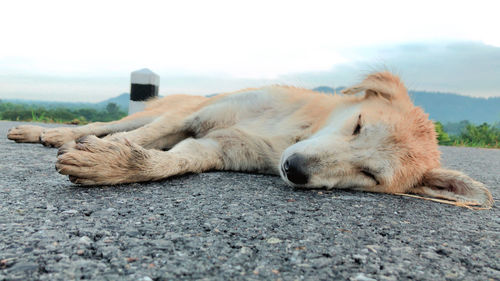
56	137
93	161
122	137
25	133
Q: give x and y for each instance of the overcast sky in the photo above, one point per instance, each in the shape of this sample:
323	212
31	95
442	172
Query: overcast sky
85	51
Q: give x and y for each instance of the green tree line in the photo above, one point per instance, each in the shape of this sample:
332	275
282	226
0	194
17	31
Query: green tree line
484	135
23	112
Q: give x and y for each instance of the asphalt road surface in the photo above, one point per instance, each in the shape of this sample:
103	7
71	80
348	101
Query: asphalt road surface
222	225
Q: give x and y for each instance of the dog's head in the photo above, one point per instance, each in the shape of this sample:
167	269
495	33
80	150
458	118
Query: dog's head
378	142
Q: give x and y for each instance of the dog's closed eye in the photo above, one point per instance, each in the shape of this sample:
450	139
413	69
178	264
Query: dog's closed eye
357	129
369	174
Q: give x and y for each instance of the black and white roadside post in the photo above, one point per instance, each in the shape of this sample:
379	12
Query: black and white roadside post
144	85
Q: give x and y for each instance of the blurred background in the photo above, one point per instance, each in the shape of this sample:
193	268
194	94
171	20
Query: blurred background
76	57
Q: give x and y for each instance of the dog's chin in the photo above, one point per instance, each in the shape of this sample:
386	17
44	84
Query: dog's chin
304	186
309	185
289	183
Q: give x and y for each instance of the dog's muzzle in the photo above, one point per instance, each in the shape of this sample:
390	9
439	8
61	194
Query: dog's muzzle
294	168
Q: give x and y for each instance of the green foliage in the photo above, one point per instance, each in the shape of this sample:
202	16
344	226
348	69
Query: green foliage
456	129
483	135
112	108
24	112
443	137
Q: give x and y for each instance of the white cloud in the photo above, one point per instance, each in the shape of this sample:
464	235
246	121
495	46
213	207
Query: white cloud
251	39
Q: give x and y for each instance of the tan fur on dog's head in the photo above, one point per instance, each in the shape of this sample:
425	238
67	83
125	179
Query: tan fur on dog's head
378	142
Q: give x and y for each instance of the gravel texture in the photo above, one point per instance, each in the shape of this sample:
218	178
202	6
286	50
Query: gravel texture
222	225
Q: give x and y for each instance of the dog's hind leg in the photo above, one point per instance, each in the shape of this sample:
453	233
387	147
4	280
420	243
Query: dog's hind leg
58	136
163	133
175	105
25	133
94	161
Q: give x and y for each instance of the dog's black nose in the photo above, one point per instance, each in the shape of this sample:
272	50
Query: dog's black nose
295	170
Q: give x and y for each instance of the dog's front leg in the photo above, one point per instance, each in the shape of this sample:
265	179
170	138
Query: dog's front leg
94	161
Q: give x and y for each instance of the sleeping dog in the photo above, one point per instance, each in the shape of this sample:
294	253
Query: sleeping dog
375	141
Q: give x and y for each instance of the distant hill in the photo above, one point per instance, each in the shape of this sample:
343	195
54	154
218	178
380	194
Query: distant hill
448	107
121	100
328	90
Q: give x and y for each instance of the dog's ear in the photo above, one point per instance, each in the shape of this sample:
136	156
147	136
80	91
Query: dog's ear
454	186
380	84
